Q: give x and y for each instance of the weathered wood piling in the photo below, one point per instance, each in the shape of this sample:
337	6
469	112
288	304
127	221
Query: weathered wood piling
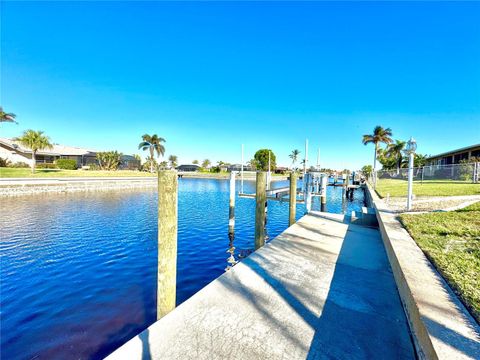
293	198
260	216
167	241
323	189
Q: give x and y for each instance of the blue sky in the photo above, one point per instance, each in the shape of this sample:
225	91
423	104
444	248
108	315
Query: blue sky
211	76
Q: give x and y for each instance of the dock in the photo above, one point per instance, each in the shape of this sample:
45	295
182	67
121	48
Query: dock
323	289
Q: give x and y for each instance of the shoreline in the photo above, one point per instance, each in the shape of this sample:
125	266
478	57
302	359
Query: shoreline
32	186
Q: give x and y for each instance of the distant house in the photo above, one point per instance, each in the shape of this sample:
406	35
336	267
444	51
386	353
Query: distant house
454	156
238	167
281	170
188	167
129	162
15	152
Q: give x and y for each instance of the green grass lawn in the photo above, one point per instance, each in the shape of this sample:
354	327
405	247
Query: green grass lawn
43	173
451	240
397	188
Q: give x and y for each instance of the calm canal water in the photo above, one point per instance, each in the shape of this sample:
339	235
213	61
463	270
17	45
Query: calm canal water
78	271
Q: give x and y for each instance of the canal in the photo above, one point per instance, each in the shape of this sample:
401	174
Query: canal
78	271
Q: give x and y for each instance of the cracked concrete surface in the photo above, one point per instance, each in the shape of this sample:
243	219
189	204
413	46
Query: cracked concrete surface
322	289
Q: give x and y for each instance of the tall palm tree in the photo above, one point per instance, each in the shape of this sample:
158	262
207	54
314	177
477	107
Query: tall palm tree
34	140
395	151
195	162
173	160
7	117
380	135
294	156
154	144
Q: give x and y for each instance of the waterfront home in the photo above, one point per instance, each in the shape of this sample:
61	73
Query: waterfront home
238	167
14	152
455	156
188	167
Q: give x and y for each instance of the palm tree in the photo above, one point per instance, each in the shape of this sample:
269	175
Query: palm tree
395	151
7	117
206	163
294	156
195	162
173	160
154	144
34	140
380	135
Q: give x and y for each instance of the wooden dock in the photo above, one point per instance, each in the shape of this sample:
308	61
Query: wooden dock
323	289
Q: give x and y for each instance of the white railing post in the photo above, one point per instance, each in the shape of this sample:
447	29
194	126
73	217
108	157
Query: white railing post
410	181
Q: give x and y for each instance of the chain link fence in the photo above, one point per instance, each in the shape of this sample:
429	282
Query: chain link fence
468	172
430	180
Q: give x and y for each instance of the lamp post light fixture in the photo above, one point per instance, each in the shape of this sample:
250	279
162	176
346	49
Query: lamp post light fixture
410	151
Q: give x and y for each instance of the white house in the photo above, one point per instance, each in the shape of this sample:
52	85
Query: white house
14	152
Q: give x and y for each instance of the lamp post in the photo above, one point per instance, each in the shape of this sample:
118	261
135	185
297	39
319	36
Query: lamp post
410	151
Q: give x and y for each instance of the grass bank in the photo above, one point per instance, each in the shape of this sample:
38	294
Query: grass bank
398	188
451	241
46	173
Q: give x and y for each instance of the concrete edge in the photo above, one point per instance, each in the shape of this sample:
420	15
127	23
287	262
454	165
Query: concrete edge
44	186
441	326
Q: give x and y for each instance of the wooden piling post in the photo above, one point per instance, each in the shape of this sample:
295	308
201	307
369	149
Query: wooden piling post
261	198
167	241
347	180
323	189
231	213
308	192
293	198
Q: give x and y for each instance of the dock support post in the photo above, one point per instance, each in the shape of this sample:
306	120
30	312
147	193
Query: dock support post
347	180
261	198
167	241
293	198
323	189
308	193
231	213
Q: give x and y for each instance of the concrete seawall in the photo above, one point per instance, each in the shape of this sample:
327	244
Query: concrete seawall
32	186
441	326
21	187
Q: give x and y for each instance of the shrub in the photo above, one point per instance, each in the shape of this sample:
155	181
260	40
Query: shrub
19	164
93	166
465	171
109	160
4	162
67	164
46	166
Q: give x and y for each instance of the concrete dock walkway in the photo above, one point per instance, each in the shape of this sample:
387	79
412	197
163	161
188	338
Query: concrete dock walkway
323	289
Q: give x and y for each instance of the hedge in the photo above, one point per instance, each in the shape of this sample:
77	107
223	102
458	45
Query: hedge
46	166
67	164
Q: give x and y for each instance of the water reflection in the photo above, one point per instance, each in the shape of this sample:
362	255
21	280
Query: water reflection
78	270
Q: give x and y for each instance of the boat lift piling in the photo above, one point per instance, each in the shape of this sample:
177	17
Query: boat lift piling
293	198
231	213
260	216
